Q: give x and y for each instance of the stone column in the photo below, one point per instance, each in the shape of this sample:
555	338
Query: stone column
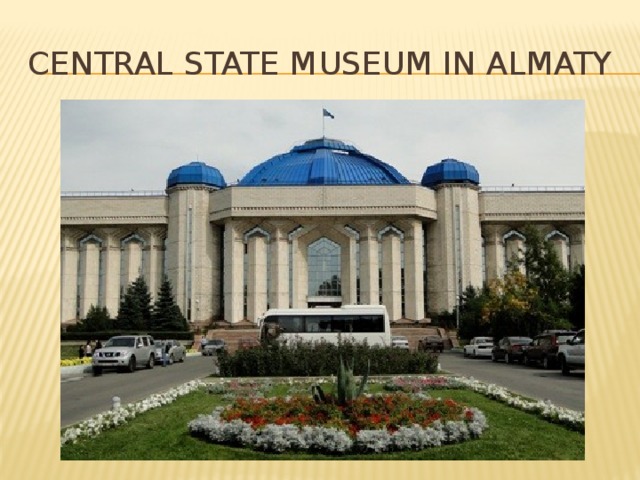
494	252
233	273
256	276
89	274
111	271
413	271
348	271
369	281
300	275
69	277
279	294
391	275
153	268
132	255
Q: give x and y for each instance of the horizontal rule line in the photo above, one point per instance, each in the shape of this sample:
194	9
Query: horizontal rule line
322	74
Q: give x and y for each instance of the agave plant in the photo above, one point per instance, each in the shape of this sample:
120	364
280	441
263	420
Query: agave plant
346	388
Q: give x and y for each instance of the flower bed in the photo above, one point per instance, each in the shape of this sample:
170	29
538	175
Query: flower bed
72	362
372	423
316	437
543	408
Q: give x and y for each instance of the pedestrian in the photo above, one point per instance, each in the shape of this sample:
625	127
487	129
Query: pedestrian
88	350
164	354
81	352
98	344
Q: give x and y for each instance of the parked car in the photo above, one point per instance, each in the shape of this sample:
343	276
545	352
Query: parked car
125	352
571	354
398	341
543	350
478	347
212	347
176	352
510	349
431	343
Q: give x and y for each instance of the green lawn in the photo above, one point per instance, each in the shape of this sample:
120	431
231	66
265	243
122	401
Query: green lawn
162	434
69	351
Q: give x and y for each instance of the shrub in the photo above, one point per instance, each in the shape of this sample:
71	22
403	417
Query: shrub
303	359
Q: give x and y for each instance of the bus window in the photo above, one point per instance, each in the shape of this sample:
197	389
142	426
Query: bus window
318	324
292	324
369	323
342	323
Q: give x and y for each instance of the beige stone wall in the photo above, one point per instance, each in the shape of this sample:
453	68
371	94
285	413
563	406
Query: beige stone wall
321	201
532	207
116	210
200	224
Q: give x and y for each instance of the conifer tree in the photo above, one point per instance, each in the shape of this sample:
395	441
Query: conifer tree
134	313
166	315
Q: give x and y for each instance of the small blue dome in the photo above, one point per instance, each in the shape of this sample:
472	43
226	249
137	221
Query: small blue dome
450	170
196	173
323	161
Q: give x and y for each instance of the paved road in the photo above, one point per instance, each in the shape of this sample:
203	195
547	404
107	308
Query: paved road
83	397
532	382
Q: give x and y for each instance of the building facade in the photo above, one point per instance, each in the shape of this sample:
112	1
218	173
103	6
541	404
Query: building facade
321	225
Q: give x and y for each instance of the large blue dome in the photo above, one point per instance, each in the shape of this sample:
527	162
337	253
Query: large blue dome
196	173
323	162
450	170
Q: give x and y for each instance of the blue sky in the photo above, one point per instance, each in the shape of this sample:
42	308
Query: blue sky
134	144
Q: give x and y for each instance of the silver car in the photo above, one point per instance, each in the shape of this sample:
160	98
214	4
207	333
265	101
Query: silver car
125	352
173	349
213	346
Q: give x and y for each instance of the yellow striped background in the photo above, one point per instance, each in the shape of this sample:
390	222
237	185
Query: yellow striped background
30	179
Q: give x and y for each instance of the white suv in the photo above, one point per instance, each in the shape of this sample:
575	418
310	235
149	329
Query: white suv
125	352
571	354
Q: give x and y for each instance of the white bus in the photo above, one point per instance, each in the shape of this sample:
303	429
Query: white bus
357	323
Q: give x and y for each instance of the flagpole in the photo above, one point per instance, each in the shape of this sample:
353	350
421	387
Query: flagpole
323	123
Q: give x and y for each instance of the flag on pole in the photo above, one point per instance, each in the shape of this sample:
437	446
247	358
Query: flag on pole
326	113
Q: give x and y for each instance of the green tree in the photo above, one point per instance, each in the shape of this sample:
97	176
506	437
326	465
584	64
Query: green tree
577	298
546	274
97	319
134	313
166	314
509	302
473	320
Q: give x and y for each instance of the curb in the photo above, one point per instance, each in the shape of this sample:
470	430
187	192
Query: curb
75	371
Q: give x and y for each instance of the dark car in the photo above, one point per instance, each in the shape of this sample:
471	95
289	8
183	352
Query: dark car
543	350
510	349
431	343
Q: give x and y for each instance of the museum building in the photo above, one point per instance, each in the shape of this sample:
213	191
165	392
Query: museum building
321	225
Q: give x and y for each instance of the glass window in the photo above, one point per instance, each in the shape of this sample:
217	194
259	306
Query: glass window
318	324
369	323
324	268
292	324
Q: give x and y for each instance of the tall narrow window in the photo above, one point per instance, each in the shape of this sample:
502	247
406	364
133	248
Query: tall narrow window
324	269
